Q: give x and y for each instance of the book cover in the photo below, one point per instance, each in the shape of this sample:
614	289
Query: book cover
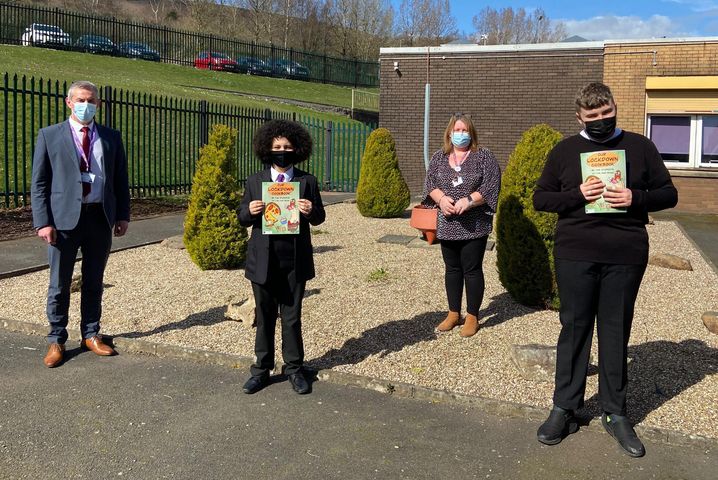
610	167
281	208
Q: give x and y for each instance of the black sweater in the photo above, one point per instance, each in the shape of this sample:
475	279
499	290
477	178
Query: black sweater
618	238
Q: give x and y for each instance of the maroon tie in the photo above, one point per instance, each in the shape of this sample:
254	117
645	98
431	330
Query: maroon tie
280	177
84	165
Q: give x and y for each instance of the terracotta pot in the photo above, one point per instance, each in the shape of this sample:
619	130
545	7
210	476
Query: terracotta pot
424	219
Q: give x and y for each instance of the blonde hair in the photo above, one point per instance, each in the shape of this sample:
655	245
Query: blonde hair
448	146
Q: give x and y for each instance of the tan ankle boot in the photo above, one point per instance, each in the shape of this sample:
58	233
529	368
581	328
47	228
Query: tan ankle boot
451	320
471	326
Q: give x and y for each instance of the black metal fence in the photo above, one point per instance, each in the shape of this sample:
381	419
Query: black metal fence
162	137
177	46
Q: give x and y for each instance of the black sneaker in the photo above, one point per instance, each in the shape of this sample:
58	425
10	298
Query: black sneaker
622	431
559	424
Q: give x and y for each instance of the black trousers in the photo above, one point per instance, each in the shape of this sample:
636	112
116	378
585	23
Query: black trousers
463	260
281	294
606	294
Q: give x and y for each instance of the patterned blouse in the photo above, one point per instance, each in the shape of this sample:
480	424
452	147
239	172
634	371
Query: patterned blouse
479	173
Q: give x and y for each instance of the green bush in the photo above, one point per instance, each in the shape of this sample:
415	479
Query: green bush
382	191
212	233
524	237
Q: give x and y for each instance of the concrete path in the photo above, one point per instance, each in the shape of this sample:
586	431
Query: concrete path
148	418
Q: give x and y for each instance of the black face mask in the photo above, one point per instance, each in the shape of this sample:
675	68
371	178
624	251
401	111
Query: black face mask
601	130
283	159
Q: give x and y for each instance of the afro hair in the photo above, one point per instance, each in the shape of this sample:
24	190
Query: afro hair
297	135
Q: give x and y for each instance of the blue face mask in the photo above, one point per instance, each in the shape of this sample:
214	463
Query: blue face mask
84	111
460	139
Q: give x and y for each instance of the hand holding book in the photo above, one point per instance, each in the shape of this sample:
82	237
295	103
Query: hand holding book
618	196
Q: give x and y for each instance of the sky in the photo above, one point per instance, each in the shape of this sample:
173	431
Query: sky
607	19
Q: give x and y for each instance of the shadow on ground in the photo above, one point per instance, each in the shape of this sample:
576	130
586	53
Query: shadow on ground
207	318
383	339
660	371
500	309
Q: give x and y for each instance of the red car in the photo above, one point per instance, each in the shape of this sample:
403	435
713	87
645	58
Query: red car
215	61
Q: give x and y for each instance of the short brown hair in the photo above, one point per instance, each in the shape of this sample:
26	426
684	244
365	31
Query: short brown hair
593	95
448	146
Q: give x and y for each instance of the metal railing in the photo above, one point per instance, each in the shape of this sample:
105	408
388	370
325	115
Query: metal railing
183	47
162	137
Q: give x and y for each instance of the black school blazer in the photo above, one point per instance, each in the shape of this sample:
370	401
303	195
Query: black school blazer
257	264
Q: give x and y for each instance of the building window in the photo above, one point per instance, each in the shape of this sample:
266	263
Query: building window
685	141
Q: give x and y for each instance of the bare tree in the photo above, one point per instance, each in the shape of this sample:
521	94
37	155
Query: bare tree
362	26
156	6
425	22
509	26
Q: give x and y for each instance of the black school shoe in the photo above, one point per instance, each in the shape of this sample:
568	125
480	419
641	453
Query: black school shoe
299	383
255	384
559	424
622	431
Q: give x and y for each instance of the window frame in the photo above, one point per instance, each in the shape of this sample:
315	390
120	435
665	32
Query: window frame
695	141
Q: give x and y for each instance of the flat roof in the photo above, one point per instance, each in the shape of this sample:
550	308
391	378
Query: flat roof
538	47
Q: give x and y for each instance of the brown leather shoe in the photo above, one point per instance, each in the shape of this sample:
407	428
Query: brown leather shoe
471	326
95	345
452	319
54	355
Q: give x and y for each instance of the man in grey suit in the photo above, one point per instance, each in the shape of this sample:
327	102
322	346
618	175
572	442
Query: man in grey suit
80	195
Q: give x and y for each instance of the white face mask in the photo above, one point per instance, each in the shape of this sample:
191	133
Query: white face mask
84	111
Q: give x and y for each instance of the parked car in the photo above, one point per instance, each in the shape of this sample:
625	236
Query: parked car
39	34
290	69
138	50
253	66
215	61
96	44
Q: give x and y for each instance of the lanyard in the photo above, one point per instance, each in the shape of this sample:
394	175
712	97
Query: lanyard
78	144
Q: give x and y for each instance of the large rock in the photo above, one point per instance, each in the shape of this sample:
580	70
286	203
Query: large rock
176	242
76	284
535	362
710	320
242	311
667	260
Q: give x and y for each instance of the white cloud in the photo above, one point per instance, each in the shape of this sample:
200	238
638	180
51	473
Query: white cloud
696	5
615	27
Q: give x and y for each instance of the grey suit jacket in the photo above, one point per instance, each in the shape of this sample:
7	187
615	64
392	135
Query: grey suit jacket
257	265
56	190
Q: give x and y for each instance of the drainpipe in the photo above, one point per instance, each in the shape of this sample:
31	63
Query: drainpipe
427	95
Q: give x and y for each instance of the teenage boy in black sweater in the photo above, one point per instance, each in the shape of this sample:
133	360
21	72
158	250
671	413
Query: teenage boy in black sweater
600	260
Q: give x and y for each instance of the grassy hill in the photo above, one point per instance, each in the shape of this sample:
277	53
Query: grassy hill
172	80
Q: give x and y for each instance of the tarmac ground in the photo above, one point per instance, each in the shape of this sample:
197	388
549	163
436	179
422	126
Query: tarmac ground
132	416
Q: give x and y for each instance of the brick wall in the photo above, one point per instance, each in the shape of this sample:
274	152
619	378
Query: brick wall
505	93
696	194
626	67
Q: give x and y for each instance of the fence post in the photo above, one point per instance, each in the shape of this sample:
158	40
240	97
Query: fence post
267	114
108	104
203	123
328	156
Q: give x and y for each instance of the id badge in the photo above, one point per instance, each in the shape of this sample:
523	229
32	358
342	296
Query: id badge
457	181
87	177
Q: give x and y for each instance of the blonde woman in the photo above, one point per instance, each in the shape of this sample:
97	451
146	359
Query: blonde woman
463	180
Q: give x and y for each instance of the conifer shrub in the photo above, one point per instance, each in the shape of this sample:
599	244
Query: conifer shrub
212	233
382	191
525	237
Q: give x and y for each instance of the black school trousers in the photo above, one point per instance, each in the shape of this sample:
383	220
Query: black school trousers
605	294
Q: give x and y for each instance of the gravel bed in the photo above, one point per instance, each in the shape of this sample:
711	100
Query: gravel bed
384	327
